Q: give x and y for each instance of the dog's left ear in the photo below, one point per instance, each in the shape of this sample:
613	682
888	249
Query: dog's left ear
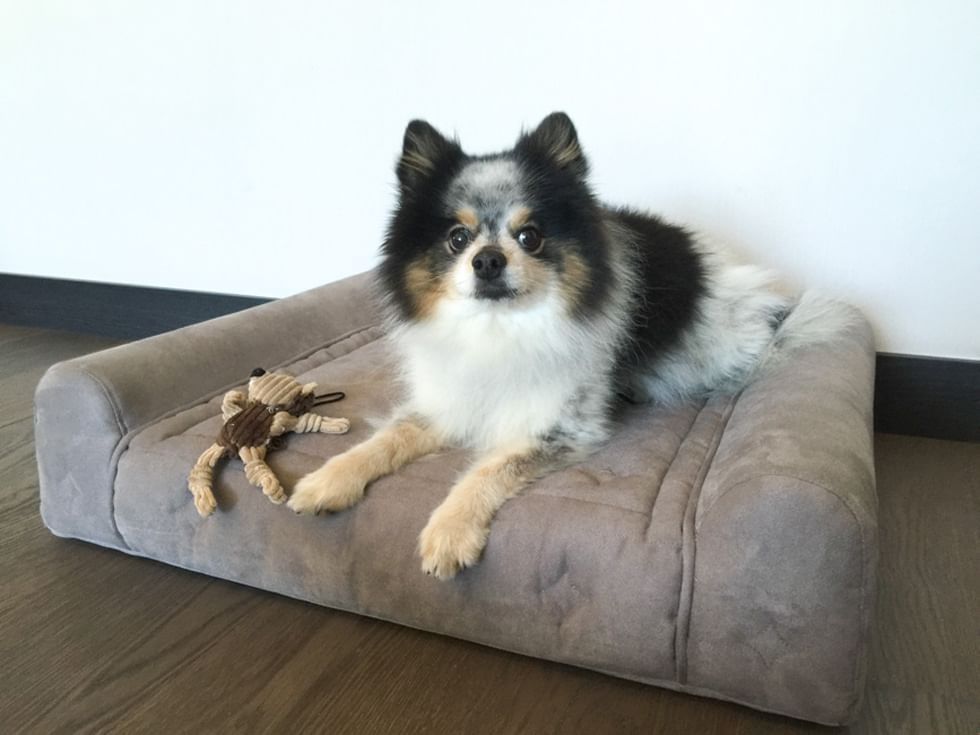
424	150
556	139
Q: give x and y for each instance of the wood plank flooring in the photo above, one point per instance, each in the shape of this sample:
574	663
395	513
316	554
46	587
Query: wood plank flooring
92	640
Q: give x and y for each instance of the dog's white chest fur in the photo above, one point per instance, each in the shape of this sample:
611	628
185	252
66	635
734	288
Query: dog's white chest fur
487	375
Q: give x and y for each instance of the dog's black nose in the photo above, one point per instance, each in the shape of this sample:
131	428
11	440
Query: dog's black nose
488	263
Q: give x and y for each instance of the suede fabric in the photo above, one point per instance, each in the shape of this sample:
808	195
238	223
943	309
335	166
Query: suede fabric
88	409
787	537
725	548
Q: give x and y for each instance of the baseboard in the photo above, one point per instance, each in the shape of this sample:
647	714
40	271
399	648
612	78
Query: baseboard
113	310
922	396
928	396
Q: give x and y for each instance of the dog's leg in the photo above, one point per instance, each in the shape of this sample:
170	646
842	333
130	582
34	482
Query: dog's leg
341	481
457	531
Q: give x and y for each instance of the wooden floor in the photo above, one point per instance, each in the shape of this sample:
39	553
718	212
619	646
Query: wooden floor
94	640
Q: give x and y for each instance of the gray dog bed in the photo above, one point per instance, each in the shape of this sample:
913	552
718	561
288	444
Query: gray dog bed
725	549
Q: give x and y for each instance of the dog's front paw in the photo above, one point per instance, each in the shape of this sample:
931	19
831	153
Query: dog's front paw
331	488
450	542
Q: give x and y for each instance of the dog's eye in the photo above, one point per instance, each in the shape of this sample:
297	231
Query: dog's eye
529	239
459	238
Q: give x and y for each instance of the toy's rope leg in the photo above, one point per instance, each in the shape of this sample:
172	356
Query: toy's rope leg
313	422
201	477
260	474
282	423
308	423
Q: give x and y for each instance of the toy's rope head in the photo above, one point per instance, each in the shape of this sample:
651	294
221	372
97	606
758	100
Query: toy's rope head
275	389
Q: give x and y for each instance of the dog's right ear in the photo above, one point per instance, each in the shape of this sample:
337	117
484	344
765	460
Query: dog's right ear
424	150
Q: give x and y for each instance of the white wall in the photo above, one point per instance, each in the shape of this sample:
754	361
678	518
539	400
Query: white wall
212	144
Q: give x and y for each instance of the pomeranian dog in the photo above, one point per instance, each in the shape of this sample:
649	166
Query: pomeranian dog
520	308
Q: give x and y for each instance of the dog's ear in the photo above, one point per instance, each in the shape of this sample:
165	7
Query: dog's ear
424	150
556	139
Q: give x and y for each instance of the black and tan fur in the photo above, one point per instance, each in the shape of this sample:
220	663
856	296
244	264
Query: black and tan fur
521	307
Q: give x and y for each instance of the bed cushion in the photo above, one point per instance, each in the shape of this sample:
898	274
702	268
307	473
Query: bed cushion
725	548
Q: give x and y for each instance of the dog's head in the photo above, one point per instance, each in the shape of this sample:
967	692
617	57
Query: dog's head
502	231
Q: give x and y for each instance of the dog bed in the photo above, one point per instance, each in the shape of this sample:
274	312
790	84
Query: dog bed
725	548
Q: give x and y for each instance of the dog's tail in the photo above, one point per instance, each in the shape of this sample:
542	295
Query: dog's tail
815	319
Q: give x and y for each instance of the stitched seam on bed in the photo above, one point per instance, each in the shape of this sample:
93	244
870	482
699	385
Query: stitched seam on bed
518	499
203	399
776	476
572	499
331	343
685	597
670	464
113	402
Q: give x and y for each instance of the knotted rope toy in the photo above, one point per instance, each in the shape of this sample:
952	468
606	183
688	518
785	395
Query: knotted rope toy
276	403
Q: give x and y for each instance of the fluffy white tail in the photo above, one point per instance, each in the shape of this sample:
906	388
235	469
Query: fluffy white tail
815	319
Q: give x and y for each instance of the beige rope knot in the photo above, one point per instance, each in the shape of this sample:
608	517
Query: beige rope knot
258	473
313	422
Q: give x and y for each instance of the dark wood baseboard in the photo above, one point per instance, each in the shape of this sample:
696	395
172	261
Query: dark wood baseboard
921	396
112	310
937	397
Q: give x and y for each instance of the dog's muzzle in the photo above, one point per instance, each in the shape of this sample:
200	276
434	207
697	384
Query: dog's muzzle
489	263
488	267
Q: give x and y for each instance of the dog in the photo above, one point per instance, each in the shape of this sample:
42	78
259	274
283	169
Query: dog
521	309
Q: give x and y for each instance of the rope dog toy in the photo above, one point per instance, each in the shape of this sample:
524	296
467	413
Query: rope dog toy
276	404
